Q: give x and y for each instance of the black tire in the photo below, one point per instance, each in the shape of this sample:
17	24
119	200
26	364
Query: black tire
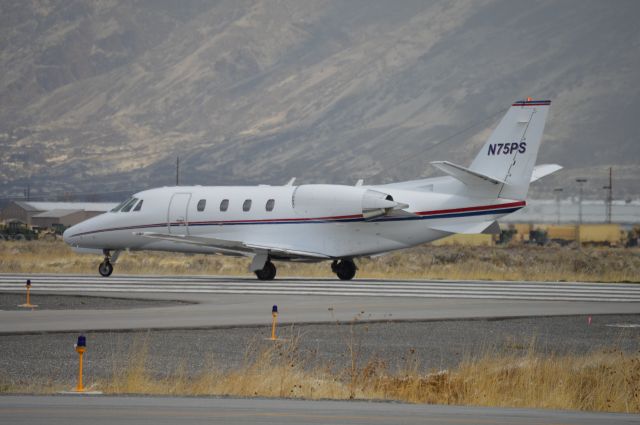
105	269
346	269
19	237
268	272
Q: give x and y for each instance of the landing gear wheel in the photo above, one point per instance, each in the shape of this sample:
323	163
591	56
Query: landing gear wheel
345	269
268	272
105	268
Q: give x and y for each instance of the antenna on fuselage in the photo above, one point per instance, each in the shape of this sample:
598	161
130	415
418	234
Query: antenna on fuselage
178	171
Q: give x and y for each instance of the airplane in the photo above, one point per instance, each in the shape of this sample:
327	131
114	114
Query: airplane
328	222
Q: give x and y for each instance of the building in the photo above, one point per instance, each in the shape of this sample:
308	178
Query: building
50	214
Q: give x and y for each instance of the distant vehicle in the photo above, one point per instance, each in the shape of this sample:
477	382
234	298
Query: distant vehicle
17	230
324	222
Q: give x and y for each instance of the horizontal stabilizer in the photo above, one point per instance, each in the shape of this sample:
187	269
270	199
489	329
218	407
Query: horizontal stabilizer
539	171
465	175
467	228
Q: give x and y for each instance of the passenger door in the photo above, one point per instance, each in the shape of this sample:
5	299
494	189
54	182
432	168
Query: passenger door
177	220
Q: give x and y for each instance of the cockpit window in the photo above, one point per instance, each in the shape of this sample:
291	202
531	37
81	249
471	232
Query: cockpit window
127	207
139	206
120	205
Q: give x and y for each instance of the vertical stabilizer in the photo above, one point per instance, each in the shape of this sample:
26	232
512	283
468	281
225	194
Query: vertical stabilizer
510	153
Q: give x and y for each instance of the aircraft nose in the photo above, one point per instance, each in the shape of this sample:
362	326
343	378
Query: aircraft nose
66	235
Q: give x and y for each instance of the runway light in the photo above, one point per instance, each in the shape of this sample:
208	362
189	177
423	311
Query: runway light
274	314
82	341
28	303
80	347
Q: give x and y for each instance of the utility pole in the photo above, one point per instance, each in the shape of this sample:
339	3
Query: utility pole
581	182
558	192
609	200
177	171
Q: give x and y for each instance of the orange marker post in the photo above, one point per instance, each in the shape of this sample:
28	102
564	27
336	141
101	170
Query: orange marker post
80	347
28	303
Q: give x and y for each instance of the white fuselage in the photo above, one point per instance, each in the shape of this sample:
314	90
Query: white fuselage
324	219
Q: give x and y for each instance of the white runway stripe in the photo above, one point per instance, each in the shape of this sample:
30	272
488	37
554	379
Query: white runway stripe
534	291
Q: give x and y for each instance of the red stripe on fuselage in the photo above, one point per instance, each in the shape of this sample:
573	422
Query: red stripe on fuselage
480	208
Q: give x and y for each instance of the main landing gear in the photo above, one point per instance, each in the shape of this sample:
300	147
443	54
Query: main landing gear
106	267
267	272
345	269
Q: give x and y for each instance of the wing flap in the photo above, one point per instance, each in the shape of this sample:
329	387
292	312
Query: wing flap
468	228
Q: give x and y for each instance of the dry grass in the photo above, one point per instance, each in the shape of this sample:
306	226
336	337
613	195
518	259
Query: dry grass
425	262
607	381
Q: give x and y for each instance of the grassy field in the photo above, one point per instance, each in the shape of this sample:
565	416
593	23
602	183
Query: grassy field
426	262
607	381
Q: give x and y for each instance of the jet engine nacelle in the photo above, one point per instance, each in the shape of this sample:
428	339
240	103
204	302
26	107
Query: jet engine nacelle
325	200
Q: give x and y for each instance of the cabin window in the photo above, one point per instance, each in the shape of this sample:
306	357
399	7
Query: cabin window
129	205
139	206
270	204
246	206
201	204
224	205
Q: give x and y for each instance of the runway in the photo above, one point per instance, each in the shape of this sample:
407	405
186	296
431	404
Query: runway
163	410
232	301
530	291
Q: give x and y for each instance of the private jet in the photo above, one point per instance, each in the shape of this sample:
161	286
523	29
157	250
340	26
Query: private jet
327	222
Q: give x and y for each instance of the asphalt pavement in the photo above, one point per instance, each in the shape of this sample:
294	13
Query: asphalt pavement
81	410
231	301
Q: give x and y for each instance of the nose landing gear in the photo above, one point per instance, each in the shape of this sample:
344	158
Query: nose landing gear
106	267
345	269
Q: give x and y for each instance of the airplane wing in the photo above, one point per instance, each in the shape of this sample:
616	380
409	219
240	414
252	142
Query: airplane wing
239	247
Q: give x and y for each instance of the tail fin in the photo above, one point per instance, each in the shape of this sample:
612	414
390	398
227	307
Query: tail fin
509	155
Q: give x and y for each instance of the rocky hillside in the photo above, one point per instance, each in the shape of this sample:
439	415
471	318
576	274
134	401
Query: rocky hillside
101	96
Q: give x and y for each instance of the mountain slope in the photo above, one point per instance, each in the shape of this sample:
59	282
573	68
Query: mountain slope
101	97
